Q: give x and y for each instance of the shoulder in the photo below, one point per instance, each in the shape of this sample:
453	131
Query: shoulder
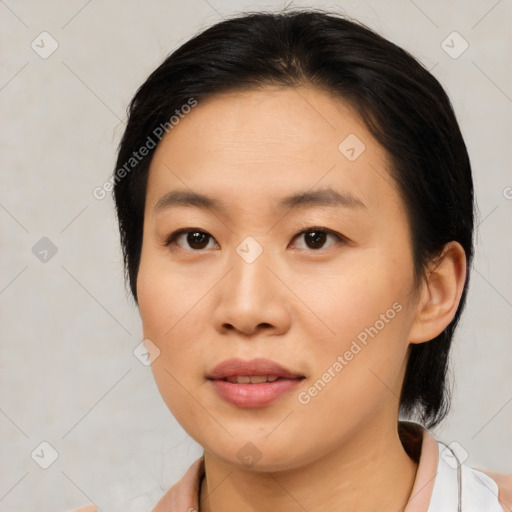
477	489
504	485
85	508
445	482
184	495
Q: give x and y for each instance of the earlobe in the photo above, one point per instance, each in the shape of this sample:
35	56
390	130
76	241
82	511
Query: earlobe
440	294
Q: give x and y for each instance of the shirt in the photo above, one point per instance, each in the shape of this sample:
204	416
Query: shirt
443	483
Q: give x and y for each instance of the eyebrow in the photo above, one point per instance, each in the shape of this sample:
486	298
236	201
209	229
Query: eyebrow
310	198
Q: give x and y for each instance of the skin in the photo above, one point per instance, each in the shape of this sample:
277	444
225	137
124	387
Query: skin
295	304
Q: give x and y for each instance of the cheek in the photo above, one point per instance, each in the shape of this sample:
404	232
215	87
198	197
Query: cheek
172	319
164	297
368	295
166	309
368	316
358	371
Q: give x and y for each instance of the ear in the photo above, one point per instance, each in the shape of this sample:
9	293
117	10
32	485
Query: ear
440	294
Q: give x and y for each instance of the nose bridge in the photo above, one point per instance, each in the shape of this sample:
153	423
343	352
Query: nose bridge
250	274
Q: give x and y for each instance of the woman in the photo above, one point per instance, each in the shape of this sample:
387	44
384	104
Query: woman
295	204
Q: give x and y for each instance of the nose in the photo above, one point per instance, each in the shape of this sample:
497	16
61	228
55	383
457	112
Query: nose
252	299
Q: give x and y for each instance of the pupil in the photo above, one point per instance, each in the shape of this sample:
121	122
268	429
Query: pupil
197	238
317	240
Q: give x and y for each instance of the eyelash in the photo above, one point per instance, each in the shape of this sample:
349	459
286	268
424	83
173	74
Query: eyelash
339	238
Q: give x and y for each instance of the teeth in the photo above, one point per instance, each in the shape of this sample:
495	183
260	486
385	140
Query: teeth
252	379
258	379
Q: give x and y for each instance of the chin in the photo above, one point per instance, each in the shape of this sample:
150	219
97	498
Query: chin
260	455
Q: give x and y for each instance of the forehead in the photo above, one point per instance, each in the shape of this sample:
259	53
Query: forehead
267	143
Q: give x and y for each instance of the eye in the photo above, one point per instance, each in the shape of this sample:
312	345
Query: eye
315	238
194	238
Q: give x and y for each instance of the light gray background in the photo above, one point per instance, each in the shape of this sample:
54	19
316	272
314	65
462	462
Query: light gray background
68	375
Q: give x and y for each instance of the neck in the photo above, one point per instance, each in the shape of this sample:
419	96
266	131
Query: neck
370	472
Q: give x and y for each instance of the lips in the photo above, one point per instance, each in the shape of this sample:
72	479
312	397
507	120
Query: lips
254	368
251	384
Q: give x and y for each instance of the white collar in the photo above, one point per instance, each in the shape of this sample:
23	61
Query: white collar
460	488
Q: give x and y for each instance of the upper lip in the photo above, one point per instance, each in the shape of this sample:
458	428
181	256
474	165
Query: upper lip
235	367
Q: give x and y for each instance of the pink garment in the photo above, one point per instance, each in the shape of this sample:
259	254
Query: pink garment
483	491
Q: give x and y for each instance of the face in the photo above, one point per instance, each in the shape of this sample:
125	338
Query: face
299	255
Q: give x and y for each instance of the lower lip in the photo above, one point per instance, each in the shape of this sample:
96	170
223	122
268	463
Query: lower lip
253	395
